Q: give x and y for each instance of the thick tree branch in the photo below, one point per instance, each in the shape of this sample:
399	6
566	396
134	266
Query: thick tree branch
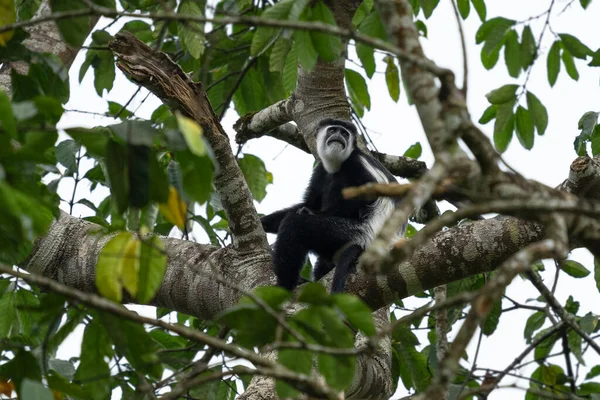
155	71
69	253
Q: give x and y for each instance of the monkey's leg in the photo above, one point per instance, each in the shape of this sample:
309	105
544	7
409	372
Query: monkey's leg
300	233
272	221
322	268
344	267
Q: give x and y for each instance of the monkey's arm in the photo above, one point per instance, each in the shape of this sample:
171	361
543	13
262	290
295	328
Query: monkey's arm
272	221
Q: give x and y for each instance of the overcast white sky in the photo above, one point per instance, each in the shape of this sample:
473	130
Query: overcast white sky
395	126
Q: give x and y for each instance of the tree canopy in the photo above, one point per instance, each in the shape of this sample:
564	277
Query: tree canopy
155	207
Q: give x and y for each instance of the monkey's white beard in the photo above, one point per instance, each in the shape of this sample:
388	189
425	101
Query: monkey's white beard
333	156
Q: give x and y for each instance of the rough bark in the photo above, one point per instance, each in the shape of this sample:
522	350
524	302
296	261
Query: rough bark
69	252
155	71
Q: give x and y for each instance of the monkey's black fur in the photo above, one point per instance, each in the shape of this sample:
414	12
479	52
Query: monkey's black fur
325	223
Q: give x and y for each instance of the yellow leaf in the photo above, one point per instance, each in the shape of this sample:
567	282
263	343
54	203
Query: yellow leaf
110	266
56	395
8	16
174	210
131	266
192	132
6	387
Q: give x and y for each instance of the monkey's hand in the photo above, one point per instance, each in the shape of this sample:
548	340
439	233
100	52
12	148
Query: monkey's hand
304	210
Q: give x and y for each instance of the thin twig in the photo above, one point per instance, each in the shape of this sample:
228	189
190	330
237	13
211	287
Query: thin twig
463	44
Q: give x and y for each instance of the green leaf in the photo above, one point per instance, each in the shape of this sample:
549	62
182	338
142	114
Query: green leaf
337	371
414	151
575	47
7	119
504	94
492	32
413	364
191	33
421	28
588	323
307	53
254	327
595	59
328	46
587	123
192	132
503	128
493	318
278	54
591	389
34	390
116	110
139	133
538	112
159	183
585	3
73	30
93	369
300	361
290	71
553	63
94	140
428	6
479	6
489	114
534	322
264	35
528	47
109	268
594	372
489	60
197	173
367	58
256	175
134	342
314	293
372	26
9	315
357	312
512	52
574	340
392	78
118	178
569	63
104	70
138	160
596	141
525	128
464	7
574	269
362	11
153	264
66	154
357	88
545	347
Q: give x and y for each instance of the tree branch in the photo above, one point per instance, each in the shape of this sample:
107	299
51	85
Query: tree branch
156	72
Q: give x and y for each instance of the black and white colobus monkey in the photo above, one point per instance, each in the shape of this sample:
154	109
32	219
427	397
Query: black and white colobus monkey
335	229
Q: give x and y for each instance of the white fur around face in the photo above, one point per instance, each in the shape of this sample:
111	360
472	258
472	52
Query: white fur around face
332	156
382	208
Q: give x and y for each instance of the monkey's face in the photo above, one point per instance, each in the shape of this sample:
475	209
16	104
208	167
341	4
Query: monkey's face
334	145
